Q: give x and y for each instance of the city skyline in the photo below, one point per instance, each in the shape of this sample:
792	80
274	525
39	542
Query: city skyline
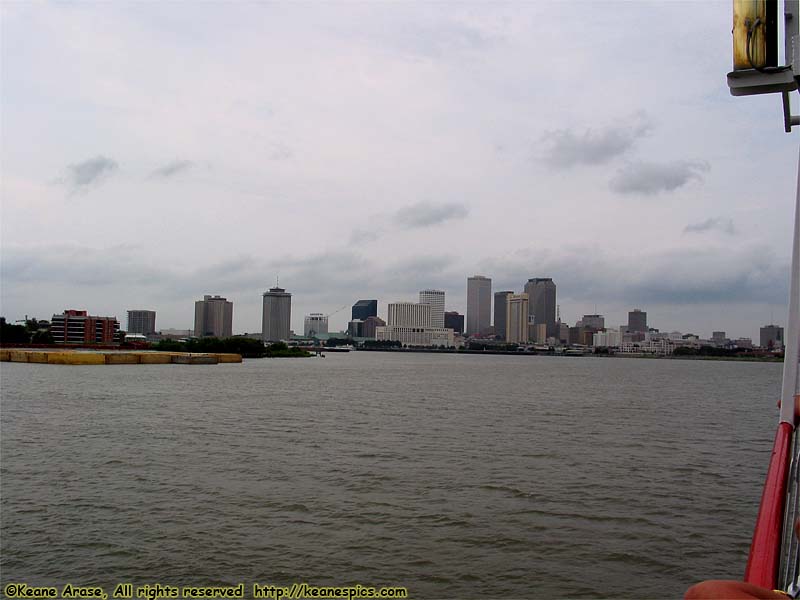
611	323
395	176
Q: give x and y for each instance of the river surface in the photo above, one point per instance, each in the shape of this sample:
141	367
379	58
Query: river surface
454	476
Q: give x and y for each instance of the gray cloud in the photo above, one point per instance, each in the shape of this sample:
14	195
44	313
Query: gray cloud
414	216
279	151
652	178
716	275
426	214
566	148
84	174
173	168
324	282
712	224
361	235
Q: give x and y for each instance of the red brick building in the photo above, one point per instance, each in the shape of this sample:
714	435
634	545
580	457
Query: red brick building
77	327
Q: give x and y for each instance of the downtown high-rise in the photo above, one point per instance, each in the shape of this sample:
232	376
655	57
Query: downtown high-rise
276	315
501	313
213	317
541	307
142	321
516	318
436	299
479	304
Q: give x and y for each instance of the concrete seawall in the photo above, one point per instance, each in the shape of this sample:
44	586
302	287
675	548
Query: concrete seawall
111	357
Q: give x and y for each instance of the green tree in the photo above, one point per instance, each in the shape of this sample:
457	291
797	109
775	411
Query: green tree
13	334
42	336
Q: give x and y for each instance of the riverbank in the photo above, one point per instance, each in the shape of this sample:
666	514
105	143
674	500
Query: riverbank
573	354
115	357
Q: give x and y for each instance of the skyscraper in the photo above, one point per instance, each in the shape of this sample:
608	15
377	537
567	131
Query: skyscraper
771	336
436	299
276	316
637	320
479	304
213	316
141	321
516	318
454	321
541	305
363	309
501	313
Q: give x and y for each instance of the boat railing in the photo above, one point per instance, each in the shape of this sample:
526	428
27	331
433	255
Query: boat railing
790	545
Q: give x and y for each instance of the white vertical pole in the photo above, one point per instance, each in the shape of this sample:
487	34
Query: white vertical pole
790	388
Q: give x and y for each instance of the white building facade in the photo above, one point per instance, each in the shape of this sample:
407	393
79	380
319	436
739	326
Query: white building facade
410	324
416	336
436	299
409	314
610	338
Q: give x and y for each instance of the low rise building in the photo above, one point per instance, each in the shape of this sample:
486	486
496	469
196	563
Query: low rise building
370	325
314	324
608	338
416	336
78	327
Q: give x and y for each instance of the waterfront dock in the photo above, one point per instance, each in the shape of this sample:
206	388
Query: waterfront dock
115	357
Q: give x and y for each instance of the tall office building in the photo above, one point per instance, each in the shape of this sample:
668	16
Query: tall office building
314	324
771	336
516	318
276	315
79	327
596	322
409	314
479	304
637	321
213	316
500	313
142	321
541	305
364	309
436	299
455	321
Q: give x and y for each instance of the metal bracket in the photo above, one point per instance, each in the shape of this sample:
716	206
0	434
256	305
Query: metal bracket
772	80
789	120
748	82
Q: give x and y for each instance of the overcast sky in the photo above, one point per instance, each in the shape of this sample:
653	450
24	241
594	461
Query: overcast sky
155	152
